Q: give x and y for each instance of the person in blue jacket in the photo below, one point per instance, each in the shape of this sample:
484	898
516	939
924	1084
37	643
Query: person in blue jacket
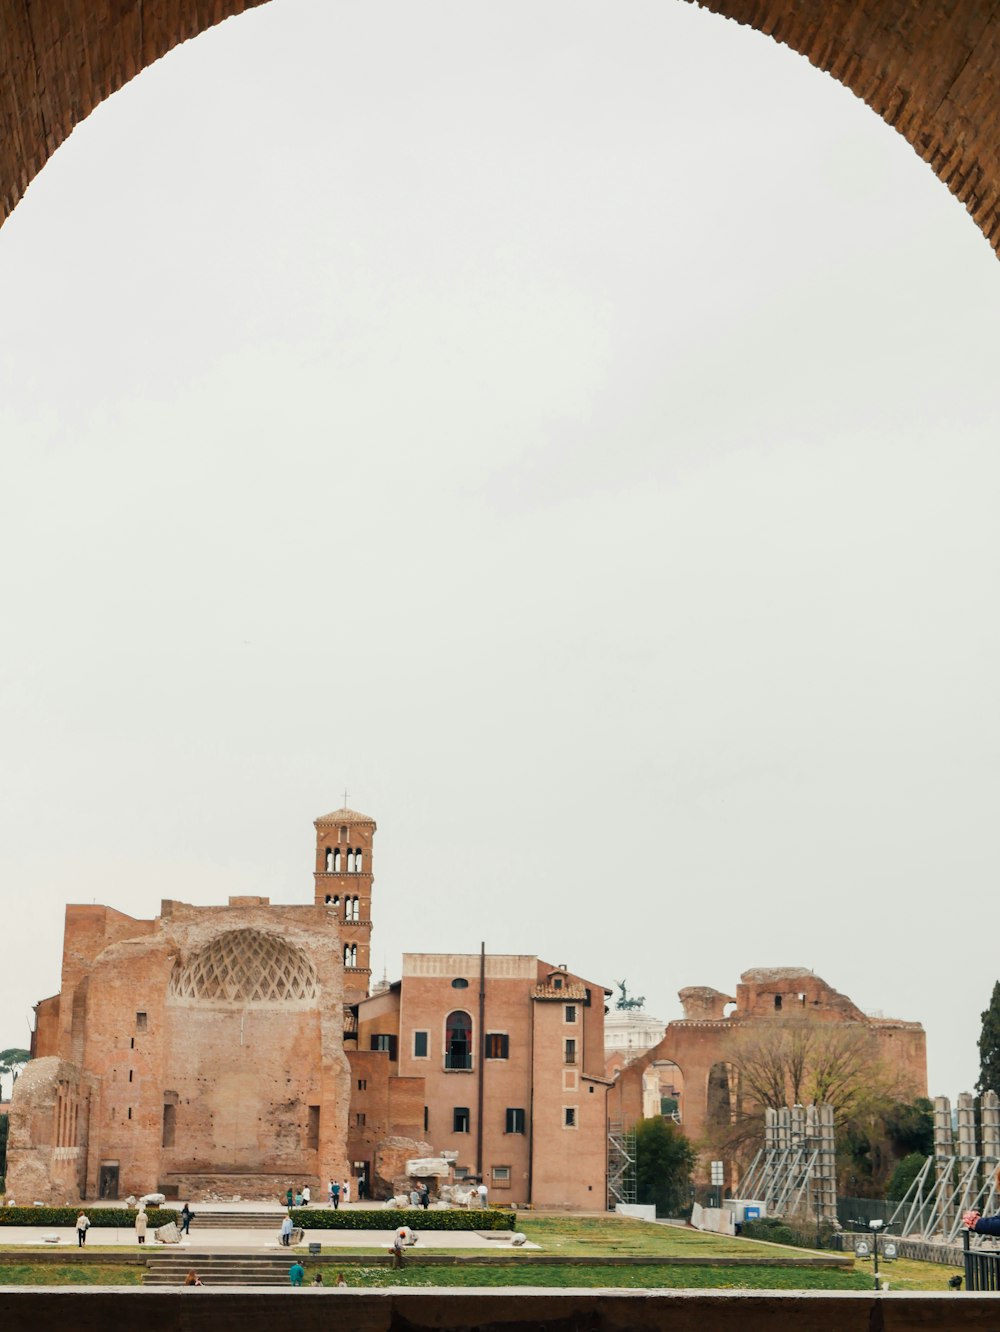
983	1225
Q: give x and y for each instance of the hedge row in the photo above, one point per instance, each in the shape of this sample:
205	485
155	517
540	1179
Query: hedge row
388	1218
777	1231
101	1218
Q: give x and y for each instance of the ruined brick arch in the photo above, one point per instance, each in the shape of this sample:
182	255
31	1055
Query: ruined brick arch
931	70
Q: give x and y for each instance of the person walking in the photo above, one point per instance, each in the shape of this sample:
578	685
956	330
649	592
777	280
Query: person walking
398	1245
483	1192
187	1216
329	1193
425	1196
289	1198
335	1190
82	1226
286	1230
345	1192
296	1273
141	1221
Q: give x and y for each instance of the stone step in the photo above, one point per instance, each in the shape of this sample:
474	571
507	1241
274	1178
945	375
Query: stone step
219	1269
206	1220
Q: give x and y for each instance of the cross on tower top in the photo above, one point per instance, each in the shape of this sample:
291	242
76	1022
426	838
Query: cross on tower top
345	797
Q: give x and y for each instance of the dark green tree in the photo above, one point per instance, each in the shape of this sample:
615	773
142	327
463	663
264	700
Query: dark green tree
909	1126
904	1175
664	1160
989	1046
12	1061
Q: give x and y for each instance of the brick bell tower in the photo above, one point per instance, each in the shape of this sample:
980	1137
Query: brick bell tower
344	886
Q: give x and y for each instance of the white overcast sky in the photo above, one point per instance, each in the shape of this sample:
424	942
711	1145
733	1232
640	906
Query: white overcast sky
574	428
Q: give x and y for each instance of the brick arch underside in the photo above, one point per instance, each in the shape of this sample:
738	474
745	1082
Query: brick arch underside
931	69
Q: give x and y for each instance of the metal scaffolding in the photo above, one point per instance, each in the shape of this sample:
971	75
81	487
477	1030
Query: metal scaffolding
794	1172
621	1165
952	1182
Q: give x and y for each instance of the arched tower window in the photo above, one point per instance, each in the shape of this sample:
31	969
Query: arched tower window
336	861
777	1003
350	860
329	860
357	861
458	1040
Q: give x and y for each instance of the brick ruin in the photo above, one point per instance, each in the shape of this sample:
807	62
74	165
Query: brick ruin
691	1059
235	1050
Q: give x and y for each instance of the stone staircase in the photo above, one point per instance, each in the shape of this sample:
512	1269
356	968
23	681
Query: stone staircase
221	1269
207	1219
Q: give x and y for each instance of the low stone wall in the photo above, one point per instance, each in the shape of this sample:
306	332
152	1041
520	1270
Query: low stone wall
206	1310
922	1250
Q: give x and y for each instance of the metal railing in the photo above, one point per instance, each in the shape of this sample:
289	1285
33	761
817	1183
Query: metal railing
982	1266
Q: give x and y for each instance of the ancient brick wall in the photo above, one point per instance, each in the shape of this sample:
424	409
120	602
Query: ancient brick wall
205	1043
698	1044
930	69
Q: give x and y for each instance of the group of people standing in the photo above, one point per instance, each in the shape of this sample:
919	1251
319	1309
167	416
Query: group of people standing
336	1194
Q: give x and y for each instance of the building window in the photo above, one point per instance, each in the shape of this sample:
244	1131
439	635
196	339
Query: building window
459	984
329	861
140	1021
359	1120
169	1125
569	1116
427	1117
312	1134
777	1002
461	1172
130	1075
514	1120
458	1041
557	983
497	1045
420	1044
501	1177
460	1119
385	1041
571	1012
362	1084
570	1057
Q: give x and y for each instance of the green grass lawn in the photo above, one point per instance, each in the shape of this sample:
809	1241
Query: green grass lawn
563	1236
598	1276
590	1236
70	1274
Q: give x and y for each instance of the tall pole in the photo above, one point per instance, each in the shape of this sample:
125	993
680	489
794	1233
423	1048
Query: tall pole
482	1058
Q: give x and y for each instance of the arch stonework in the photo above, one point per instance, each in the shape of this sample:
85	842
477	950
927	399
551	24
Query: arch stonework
931	70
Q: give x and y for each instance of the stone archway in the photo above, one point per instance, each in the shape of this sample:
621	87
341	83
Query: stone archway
931	71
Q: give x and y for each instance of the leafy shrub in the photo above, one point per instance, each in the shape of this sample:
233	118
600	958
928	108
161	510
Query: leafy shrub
388	1218
777	1231
101	1218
